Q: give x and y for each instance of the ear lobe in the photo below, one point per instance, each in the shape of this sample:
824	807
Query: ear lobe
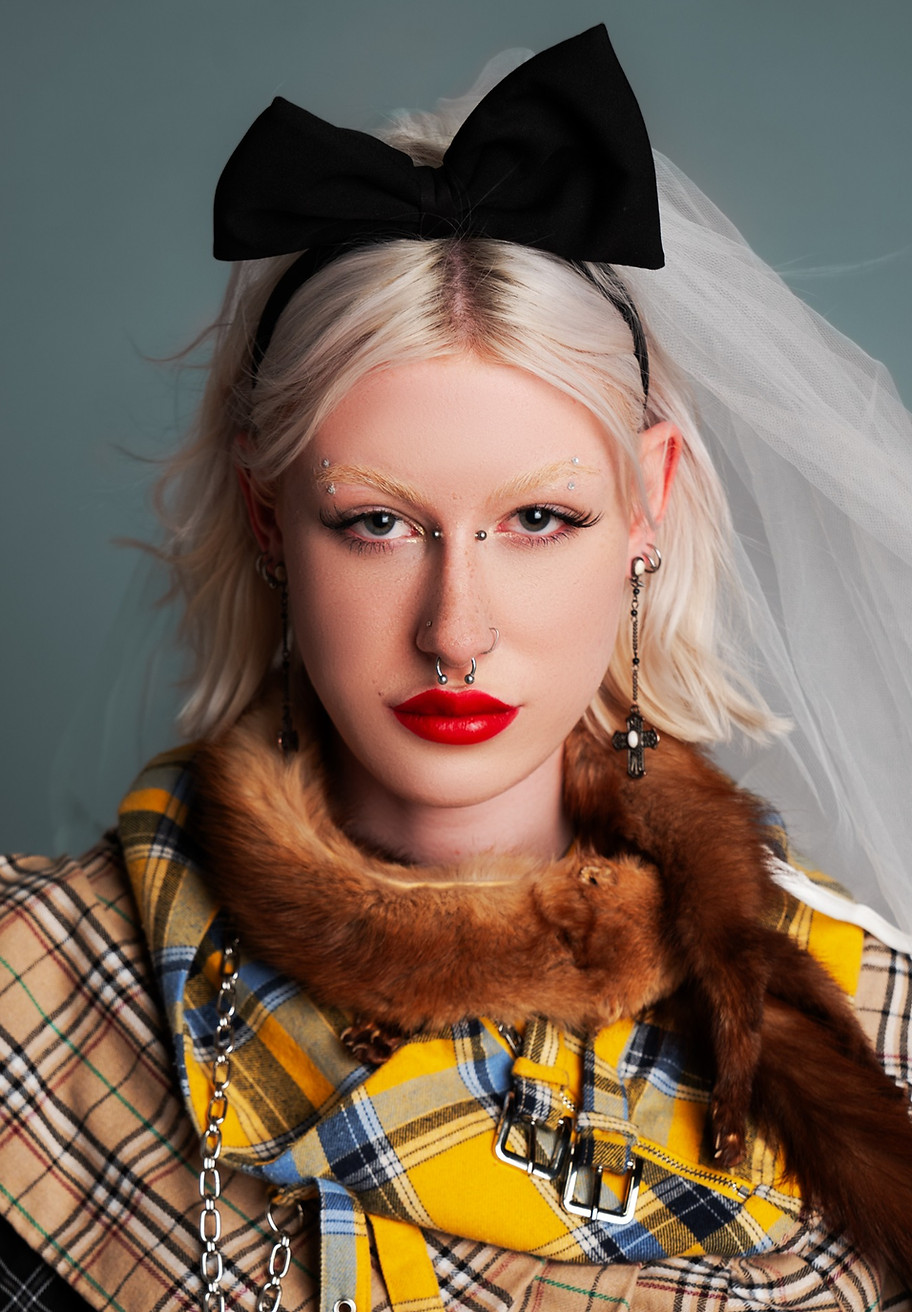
260	511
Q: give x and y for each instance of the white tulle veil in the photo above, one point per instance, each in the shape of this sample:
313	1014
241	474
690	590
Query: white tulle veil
814	447
815	450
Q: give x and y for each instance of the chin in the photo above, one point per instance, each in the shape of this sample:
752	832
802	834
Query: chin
463	776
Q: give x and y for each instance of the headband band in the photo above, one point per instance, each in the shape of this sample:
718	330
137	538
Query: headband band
555	156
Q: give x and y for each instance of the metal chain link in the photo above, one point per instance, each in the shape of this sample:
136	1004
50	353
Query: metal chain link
635	629
212	1266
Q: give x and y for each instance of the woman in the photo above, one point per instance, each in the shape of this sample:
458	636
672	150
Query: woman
446	470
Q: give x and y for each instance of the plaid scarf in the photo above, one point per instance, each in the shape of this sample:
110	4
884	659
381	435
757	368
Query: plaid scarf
409	1145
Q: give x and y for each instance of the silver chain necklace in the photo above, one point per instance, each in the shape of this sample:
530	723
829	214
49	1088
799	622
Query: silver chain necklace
212	1266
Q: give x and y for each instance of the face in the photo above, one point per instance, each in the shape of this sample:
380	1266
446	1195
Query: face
455	511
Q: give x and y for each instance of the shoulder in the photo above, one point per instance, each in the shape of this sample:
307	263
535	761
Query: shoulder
61	891
88	1107
70	935
870	958
883	1002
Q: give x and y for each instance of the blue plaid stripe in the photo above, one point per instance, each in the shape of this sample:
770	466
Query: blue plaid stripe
658	1057
483	1064
533	1100
700	1209
357	1148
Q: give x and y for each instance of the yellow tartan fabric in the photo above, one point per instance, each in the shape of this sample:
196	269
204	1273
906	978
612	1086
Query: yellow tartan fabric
410	1144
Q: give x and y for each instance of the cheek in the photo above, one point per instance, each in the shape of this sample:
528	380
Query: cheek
347	618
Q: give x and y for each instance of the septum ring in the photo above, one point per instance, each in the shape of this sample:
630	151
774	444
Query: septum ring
469	678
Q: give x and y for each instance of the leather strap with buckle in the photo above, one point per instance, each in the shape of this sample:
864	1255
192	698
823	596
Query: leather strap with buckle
555	1143
620	1215
550	1150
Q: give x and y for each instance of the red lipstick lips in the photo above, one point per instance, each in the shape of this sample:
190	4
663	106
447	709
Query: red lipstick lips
455	717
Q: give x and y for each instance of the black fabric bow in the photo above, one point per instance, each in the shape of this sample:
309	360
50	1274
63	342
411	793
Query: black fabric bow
556	156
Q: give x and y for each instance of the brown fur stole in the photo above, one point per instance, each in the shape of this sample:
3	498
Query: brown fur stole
662	898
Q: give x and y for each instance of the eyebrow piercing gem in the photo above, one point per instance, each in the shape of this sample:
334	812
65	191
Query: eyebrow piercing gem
331	489
480	535
574	460
571	486
325	463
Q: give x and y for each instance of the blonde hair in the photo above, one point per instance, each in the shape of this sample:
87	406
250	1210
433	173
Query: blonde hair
408	300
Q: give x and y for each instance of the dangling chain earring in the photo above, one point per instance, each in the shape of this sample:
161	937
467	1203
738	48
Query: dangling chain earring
635	738
276	576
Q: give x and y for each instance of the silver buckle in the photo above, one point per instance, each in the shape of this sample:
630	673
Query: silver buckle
591	1210
556	1143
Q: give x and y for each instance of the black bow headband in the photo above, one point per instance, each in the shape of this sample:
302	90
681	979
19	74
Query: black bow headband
555	156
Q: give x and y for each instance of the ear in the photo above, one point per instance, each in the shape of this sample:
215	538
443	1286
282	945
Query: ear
260	510
660	451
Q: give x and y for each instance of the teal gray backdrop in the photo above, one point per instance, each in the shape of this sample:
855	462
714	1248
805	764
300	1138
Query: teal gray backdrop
794	115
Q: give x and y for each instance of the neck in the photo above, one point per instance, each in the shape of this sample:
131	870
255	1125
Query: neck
528	817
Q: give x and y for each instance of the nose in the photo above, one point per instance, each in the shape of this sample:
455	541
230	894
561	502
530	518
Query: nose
455	628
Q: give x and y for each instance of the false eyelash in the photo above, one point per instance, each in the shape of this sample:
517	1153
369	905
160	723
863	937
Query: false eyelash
572	520
338	521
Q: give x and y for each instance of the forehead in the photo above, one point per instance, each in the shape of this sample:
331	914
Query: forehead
440	420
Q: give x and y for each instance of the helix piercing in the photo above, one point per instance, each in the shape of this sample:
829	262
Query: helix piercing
648	563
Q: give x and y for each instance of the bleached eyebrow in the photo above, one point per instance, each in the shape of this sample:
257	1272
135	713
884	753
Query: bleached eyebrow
539	478
363	474
518	487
